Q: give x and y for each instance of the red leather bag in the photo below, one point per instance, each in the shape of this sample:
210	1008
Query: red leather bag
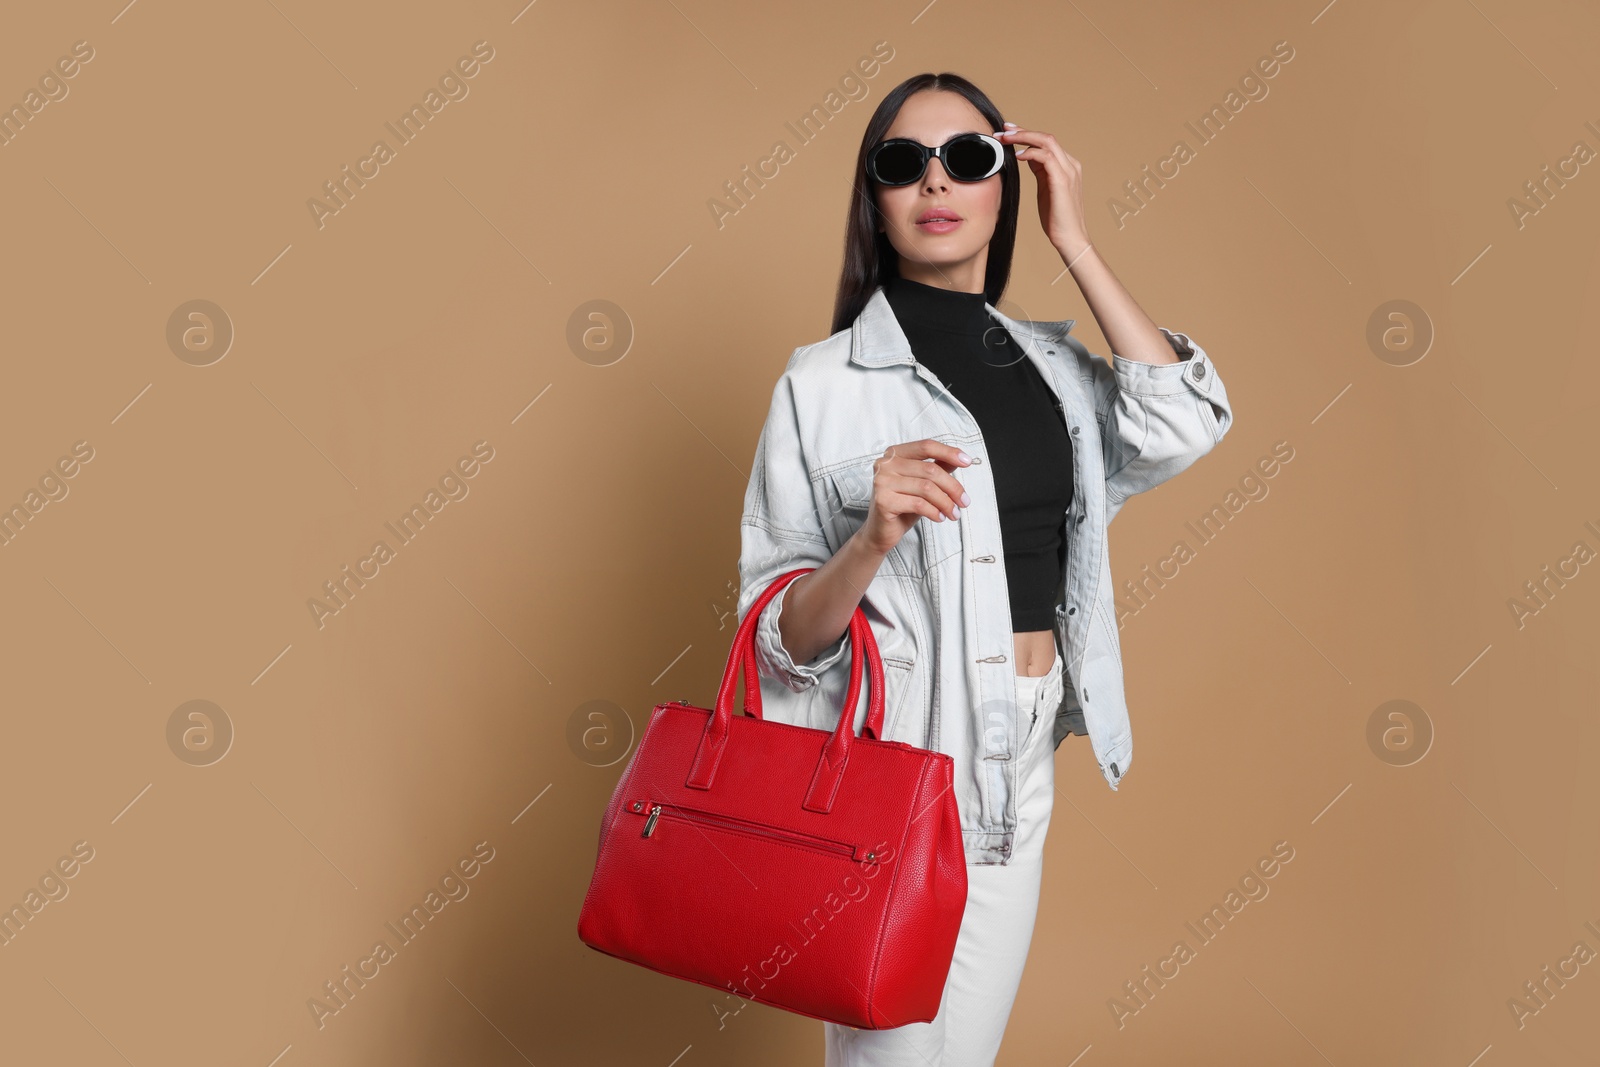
812	870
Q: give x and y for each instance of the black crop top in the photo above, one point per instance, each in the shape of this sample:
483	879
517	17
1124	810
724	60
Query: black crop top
952	335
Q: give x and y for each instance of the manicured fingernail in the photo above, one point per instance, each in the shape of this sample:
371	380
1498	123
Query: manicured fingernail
1011	124
966	499
955	513
964	457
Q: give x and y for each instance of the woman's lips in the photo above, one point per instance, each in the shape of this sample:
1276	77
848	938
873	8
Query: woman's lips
939	225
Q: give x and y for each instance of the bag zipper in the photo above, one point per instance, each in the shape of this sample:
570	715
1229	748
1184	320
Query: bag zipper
733	824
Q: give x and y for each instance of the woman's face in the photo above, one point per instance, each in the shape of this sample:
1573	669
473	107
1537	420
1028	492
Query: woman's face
957	258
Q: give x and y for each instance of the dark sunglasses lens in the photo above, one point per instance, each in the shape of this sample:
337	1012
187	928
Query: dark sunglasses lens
970	159
897	164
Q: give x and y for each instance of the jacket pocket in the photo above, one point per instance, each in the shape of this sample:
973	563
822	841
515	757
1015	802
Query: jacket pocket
847	490
1108	625
1071	711
844	492
899	677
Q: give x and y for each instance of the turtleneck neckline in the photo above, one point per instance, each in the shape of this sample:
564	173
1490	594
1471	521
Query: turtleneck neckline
930	307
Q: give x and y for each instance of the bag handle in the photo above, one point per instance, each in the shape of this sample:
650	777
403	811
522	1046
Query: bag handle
752	684
744	644
836	752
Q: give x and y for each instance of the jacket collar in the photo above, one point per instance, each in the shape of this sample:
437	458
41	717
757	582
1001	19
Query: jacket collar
876	339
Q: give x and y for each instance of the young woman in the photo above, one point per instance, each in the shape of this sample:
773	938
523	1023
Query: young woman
952	471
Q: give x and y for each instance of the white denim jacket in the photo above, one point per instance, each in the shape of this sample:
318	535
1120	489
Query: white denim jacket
938	605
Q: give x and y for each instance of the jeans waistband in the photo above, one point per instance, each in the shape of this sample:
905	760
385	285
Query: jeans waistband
1038	691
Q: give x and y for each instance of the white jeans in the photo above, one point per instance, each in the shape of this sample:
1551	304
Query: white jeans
996	927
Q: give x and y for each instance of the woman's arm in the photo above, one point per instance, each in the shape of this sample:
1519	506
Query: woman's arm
1127	329
782	529
1156	417
801	633
817	607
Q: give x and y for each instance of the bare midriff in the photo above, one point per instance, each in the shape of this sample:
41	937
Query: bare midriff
1034	652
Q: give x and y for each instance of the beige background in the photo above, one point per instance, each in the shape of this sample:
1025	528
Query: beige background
594	558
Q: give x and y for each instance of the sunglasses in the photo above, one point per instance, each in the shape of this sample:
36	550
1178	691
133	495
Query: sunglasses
966	157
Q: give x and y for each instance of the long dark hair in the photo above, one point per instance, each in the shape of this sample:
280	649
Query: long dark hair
869	258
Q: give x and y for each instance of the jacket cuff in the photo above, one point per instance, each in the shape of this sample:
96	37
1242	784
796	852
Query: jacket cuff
775	660
1179	341
1193	371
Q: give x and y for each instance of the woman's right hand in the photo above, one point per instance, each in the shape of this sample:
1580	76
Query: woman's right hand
911	481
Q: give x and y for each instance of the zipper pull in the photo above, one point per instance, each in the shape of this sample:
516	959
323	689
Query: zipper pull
650	823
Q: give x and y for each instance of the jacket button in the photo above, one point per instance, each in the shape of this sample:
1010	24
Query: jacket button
1115	772
1072	610
1080	520
1199	371
1075	431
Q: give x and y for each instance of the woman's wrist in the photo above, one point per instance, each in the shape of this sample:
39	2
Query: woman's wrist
1073	250
862	548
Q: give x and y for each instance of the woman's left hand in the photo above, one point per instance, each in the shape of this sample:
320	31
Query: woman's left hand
1059	177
